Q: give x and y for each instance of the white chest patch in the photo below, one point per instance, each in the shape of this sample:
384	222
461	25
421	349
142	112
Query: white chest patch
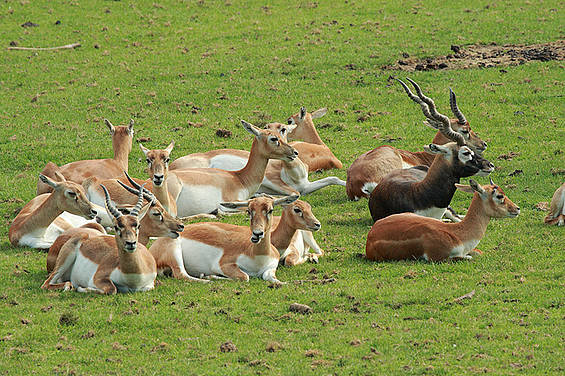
127	282
198	199
200	258
228	162
433	212
368	187
406	165
257	265
83	272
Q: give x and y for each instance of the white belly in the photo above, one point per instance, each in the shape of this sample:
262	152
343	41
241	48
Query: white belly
198	199
200	258
83	271
256	266
228	162
433	212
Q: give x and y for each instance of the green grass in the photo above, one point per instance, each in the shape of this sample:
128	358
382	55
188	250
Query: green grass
154	60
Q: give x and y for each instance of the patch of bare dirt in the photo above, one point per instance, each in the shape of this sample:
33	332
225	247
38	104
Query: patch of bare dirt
484	56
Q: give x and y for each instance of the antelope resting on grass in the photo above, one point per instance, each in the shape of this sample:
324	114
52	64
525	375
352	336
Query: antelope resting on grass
222	249
369	168
106	264
42	219
201	190
428	191
102	168
556	214
281	176
408	236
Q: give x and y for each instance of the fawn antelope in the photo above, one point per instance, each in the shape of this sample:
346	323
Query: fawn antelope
556	214
103	168
106	264
225	250
42	219
409	236
367	170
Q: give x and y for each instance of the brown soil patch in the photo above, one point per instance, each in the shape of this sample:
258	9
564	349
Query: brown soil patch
484	56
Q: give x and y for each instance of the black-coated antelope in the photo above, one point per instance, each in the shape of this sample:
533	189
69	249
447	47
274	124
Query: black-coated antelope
45	217
368	169
106	264
78	171
408	236
556	214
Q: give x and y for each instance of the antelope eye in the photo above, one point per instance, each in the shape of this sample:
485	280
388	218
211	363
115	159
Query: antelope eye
167	160
289	121
270	211
500	197
148	160
297	210
274	139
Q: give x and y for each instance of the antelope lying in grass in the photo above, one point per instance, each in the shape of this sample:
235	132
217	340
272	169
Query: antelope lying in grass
428	191
102	168
42	219
201	190
281	176
556	214
369	168
157	222
409	236
106	264
222	249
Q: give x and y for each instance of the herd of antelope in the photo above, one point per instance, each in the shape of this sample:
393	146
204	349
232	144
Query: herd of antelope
408	194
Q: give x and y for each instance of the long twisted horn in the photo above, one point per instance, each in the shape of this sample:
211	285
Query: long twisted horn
453	103
491	182
416	99
137	207
149	196
109	205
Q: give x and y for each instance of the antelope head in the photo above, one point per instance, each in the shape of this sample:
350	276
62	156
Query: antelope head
121	135
271	143
494	201
283	129
158	163
70	196
300	216
303	122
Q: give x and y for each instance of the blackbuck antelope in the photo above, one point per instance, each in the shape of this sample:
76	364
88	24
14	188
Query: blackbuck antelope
201	190
292	234
556	214
102	168
369	168
156	223
313	151
222	249
106	264
281	176
42	219
408	236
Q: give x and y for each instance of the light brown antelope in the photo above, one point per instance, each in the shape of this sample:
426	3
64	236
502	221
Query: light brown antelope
102	168
292	234
369	168
225	250
201	190
408	236
281	176
313	151
556	214
106	264
42	219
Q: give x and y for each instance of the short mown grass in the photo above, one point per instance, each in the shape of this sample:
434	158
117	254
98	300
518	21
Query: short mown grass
165	63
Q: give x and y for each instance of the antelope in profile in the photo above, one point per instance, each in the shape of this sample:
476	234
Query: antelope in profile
313	151
42	219
201	190
408	236
281	176
102	168
369	168
556	214
106	264
428	191
156	223
225	250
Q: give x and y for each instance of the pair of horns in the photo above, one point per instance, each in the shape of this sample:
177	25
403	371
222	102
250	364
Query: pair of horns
148	195
112	208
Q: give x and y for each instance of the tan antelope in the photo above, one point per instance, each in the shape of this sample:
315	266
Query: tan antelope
225	250
281	176
313	151
102	168
201	190
369	168
156	223
408	236
292	234
42	219
556	214
106	264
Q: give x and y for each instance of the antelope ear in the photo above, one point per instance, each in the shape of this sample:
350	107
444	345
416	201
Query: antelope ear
169	148
251	129
319	113
130	127
286	200
477	188
143	211
234	205
48	181
59	176
436	149
464	188
302	113
144	149
110	126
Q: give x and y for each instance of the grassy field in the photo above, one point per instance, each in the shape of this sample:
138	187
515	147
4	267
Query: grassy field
169	63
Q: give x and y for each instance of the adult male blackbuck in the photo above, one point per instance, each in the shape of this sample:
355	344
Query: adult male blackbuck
369	168
428	191
313	151
556	214
225	250
42	219
201	190
281	176
106	264
78	171
408	236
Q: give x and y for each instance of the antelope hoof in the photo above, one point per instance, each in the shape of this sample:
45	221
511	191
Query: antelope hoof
475	252
68	286
313	258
